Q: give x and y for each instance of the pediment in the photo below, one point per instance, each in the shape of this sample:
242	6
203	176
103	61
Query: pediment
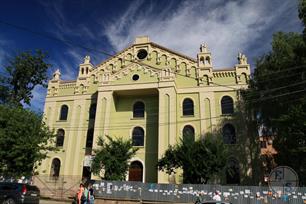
158	57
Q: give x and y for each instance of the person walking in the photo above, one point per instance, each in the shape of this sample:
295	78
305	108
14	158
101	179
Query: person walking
91	198
80	194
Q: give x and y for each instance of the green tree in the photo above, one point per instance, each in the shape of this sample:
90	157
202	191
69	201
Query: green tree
277	95
200	160
113	157
23	141
23	73
302	14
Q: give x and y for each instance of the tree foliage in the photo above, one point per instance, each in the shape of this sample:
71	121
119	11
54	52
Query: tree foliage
200	160
277	95
23	141
113	157
23	73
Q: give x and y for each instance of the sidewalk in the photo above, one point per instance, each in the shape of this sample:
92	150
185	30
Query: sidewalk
45	201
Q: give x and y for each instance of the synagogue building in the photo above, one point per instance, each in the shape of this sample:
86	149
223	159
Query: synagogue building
149	94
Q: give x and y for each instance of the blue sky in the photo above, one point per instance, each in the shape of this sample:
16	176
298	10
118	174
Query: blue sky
227	26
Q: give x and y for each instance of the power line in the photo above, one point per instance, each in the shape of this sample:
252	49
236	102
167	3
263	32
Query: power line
70	43
118	125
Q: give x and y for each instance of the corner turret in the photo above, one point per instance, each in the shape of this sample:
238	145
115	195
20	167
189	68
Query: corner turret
85	68
204	69
242	69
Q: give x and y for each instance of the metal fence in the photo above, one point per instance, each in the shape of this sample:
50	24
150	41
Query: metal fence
64	187
61	187
182	193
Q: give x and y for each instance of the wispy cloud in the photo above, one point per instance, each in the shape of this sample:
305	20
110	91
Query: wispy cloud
39	94
227	26
67	31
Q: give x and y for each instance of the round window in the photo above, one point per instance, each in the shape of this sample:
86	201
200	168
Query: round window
142	54
135	77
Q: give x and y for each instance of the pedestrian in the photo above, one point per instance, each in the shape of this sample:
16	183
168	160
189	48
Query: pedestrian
217	197
91	194
200	198
80	194
86	195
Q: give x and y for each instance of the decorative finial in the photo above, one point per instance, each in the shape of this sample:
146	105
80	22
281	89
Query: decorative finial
57	75
204	48
242	59
86	59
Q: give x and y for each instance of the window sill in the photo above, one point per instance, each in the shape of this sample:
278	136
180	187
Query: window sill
187	116
139	147
138	118
62	121
227	114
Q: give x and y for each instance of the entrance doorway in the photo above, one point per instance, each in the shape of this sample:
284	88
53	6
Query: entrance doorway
136	171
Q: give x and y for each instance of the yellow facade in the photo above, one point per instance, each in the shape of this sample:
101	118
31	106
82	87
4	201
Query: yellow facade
145	72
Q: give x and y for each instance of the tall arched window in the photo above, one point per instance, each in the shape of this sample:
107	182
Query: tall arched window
232	171
188	107
55	168
138	109
138	136
92	111
188	133
60	138
227	105
64	112
229	134
136	171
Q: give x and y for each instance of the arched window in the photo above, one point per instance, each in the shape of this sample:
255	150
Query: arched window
202	60
243	78
207	60
229	134
188	133
92	111
64	112
136	171
138	136
60	138
188	107
232	171
55	168
227	105
82	71
138	109
206	80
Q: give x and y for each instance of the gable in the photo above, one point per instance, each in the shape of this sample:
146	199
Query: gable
158	59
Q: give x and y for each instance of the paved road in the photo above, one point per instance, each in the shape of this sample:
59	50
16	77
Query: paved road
53	202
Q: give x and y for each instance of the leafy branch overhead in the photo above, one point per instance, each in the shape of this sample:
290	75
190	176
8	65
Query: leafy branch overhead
23	74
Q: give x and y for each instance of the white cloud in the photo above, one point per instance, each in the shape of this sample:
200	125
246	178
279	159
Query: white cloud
226	26
39	94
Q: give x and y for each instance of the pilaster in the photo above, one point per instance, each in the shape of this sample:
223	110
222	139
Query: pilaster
167	125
